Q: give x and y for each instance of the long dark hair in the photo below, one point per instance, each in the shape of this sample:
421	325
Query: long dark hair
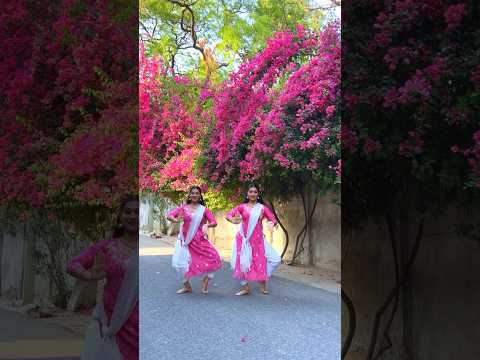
119	230
259	199
201	201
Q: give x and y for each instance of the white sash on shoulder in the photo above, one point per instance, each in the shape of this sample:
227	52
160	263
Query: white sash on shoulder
246	249
127	299
181	258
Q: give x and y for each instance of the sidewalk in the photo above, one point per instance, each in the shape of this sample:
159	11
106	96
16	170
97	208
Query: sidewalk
321	278
74	322
23	337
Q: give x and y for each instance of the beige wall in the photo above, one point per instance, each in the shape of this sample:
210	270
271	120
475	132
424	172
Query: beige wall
20	277
12	263
441	307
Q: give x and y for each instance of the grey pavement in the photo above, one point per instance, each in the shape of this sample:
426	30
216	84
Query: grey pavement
16	327
23	338
294	321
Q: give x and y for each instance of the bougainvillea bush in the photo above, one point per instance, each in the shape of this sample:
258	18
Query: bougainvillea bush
411	99
172	122
275	120
410	122
68	104
277	116
174	117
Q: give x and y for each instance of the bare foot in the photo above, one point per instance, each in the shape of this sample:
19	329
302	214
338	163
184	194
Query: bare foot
187	288
245	290
205	285
263	287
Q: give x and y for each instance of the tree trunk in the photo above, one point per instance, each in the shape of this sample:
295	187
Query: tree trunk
395	290
352	324
304	232
284	229
296	250
311	240
407	294
392	226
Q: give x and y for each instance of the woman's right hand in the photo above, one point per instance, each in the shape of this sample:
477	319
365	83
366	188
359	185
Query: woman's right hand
176	219
271	225
237	219
97	271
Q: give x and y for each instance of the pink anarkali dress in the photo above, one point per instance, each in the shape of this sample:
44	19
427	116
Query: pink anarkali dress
264	259
205	259
115	262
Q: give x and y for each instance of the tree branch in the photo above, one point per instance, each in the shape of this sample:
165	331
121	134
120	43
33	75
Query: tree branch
352	324
190	28
234	11
394	292
145	29
333	4
304	232
287	236
393	242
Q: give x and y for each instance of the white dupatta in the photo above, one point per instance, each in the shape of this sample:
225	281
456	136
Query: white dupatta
93	337
246	250
127	299
181	258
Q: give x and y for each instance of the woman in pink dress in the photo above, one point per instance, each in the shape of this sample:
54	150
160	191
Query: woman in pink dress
253	258
116	261
194	255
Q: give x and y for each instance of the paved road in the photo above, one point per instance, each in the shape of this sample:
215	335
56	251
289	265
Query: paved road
16	327
25	338
294	322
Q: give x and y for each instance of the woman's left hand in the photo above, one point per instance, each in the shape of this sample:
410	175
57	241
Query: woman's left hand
205	228
271	225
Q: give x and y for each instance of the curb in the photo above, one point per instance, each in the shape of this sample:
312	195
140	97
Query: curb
5	305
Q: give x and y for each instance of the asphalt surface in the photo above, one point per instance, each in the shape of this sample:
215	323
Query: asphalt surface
23	338
294	321
16	327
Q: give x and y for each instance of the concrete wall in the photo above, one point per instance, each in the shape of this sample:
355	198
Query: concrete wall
326	234
146	215
21	277
13	246
11	264
152	216
1	260
438	316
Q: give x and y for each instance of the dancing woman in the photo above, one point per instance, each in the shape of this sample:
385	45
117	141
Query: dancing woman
116	315
194	255
253	258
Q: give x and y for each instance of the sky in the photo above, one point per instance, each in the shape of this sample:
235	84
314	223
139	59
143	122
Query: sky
331	14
